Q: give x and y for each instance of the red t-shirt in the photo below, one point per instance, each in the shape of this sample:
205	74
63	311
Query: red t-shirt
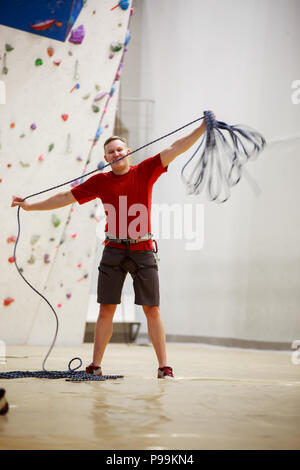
126	199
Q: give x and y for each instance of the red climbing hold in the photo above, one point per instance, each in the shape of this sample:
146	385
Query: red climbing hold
8	301
43	25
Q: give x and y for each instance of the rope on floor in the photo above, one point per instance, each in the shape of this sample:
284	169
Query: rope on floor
70	376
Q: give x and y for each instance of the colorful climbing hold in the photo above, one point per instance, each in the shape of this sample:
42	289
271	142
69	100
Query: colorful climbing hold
33	126
59	24
42	25
41	158
83	277
77	35
12	125
123	4
11	259
51	147
34	239
96	109
8	48
127	38
74	184
8	301
65	117
46	259
116	46
11	239
112	91
68	295
101	165
55	220
100	96
38	62
50	51
75	87
31	260
24	165
74	235
57	62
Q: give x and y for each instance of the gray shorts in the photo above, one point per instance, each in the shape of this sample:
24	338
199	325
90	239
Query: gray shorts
113	269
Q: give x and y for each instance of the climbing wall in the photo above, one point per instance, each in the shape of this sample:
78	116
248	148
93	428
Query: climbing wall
60	106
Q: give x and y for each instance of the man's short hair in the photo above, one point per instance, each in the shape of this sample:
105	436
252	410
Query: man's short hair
114	137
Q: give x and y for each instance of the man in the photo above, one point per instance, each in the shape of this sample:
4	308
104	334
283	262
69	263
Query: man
124	191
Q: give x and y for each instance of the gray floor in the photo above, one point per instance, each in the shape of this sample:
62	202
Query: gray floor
220	399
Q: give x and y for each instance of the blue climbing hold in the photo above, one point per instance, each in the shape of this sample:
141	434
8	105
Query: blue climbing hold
99	132
128	36
124	4
101	165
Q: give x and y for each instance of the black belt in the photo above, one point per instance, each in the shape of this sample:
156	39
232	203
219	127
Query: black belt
128	241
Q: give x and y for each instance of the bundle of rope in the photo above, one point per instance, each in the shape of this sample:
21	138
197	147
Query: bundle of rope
221	162
221	158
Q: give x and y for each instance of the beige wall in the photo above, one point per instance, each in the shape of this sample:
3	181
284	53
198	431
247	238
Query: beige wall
239	59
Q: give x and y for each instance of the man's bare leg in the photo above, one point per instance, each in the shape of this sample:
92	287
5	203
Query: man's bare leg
156	333
103	331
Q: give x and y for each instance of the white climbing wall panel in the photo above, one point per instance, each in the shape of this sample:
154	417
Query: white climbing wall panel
56	248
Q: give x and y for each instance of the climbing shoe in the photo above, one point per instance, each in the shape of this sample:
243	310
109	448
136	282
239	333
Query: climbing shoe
94	370
165	373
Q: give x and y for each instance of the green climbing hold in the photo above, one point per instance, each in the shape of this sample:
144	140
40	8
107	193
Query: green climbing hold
55	220
34	239
8	48
96	109
38	62
116	46
31	260
51	147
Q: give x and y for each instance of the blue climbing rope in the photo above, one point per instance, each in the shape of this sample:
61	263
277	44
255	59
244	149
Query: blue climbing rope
244	144
221	158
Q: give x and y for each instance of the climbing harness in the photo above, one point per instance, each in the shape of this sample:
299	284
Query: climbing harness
243	143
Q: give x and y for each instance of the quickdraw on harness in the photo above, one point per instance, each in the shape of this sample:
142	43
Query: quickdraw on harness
221	163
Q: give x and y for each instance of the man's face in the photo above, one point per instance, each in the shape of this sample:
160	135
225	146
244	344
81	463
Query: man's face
115	150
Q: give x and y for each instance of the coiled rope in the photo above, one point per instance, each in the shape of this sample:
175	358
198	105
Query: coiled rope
243	145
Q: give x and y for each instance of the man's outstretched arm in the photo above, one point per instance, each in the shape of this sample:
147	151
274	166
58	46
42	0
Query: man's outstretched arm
53	202
181	145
